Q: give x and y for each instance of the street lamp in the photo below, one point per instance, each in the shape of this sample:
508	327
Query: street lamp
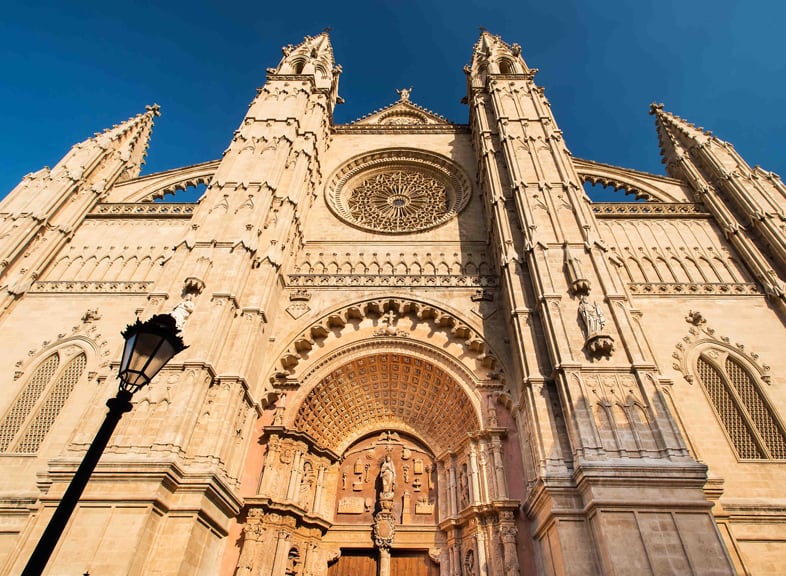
148	347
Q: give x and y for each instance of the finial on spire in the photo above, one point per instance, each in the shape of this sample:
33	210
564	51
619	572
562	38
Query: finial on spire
654	106
483	29
154	108
404	94
327	30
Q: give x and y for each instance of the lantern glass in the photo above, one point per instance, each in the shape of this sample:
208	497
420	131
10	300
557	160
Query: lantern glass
149	346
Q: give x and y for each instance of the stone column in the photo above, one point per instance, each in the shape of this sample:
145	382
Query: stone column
474	496
508	534
499	468
280	556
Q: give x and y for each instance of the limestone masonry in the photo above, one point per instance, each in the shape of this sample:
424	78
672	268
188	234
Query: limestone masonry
416	347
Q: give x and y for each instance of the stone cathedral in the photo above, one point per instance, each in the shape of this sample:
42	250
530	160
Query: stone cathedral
416	347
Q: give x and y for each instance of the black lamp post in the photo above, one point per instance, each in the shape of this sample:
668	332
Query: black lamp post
149	345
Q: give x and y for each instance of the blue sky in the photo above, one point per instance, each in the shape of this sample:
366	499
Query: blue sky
70	69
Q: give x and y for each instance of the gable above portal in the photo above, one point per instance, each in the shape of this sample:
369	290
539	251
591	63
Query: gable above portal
402	115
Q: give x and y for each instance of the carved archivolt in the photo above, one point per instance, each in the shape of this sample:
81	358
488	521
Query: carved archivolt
383	384
398	191
439	319
703	340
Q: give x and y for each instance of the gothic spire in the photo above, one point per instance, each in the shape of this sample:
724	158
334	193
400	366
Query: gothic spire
313	56
115	154
676	135
492	55
750	196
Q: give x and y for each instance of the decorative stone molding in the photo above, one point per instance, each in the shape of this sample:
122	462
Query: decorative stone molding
299	295
696	318
297	309
144	210
440	319
649	210
399	128
578	280
91	287
701	337
398	191
391	280
83	337
695	289
153	186
600	345
193	285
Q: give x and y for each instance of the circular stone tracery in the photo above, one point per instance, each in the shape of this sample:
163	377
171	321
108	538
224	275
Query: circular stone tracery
398	191
398	200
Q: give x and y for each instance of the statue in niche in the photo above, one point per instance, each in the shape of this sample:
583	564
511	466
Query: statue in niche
469	563
463	487
591	315
598	343
306	484
183	310
387	475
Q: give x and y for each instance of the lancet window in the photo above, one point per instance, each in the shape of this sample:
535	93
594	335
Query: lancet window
28	420
741	406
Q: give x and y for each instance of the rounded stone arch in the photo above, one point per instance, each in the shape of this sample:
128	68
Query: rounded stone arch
465	331
387	384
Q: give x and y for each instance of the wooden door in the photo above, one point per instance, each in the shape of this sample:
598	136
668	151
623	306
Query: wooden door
355	563
412	563
402	563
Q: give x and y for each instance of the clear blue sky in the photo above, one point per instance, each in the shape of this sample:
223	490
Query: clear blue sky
70	69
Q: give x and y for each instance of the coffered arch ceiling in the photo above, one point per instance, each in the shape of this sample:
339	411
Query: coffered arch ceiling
387	389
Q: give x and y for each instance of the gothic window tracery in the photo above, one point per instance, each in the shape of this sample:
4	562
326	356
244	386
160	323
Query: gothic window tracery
741	406
398	191
28	420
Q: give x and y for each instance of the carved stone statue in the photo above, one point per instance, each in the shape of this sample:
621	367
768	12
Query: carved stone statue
404	94
387	474
183	310
592	315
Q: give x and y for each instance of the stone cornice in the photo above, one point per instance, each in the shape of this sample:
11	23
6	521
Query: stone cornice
143	210
401	129
649	210
91	287
390	280
695	289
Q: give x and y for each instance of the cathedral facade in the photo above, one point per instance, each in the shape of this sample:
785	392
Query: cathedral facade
415	347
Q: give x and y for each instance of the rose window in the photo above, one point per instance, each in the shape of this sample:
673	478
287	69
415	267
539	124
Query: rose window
394	201
398	192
